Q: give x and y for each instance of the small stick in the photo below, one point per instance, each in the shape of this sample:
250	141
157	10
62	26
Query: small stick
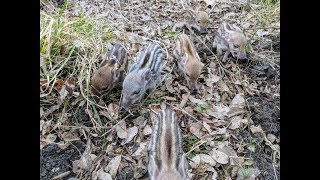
62	175
195	147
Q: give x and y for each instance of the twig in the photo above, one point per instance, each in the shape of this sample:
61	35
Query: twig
179	108
275	173
196	147
270	27
62	175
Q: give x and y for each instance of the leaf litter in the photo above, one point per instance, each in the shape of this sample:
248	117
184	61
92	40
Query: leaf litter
219	113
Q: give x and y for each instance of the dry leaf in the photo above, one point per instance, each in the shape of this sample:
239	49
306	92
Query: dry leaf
196	159
147	130
219	156
63	93
235	123
271	137
101	175
196	101
184	100
58	85
220	131
69	136
139	121
207	127
51	110
218	112
235	111
234	159
131	133
51	138
170	98
168	84
70	85
255	129
223	86
121	129
261	32
195	129
214	173
237	101
113	166
207	159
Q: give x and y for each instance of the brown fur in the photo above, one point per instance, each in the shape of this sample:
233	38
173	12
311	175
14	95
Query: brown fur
203	20
111	72
193	66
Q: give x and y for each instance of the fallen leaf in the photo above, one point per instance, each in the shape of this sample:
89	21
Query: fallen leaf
196	101
51	138
101	175
69	136
121	129
219	156
184	100
196	159
63	145
214	173
63	93
207	127
256	129
237	101
168	84
207	159
43	81
261	33
147	130
248	173
234	111
51	110
113	166
271	137
58	85
170	98
220	131
215	78
235	123
139	121
195	129
131	133
232	154
223	86
219	111
70	85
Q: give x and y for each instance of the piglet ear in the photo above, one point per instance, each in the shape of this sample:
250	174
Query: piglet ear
146	75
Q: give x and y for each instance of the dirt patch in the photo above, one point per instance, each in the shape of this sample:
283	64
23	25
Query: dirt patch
266	113
125	174
54	160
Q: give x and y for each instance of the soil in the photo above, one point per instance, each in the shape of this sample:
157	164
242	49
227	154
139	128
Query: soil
54	160
266	113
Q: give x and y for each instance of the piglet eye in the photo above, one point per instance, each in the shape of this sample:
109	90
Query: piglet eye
137	91
236	46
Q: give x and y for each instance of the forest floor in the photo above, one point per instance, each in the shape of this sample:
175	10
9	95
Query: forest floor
230	129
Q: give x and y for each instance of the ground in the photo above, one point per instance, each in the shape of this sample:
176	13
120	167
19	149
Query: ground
235	114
